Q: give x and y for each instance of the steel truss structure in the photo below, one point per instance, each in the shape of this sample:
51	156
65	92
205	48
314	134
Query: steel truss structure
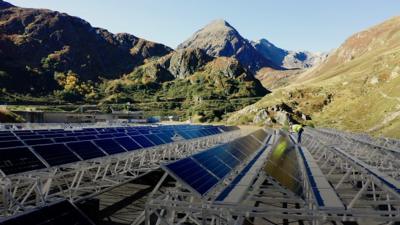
362	188
27	191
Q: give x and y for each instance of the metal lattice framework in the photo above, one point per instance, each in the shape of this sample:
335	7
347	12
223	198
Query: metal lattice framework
27	191
364	190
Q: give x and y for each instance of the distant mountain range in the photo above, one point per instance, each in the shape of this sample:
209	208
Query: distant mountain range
288	59
356	88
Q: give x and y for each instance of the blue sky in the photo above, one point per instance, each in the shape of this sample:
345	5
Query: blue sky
314	25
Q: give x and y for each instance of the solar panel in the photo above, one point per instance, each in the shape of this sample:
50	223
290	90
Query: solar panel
30	137
8	144
18	160
8	138
260	134
104	136
214	165
56	154
127	143
193	175
143	141
65	139
62	213
109	146
39	141
86	137
166	138
144	131
156	140
85	149
119	135
54	135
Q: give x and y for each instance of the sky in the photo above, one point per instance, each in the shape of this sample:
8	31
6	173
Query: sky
313	25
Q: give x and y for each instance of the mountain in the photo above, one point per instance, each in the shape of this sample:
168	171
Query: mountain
219	38
62	59
187	82
35	44
356	88
288	59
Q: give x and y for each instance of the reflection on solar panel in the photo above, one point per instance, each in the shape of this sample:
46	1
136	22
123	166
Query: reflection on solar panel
109	146
204	170
193	174
18	160
156	140
127	143
85	149
144	142
56	154
165	137
260	134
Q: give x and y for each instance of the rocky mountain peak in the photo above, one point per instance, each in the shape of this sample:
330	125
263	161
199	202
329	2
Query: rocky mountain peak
286	58
219	38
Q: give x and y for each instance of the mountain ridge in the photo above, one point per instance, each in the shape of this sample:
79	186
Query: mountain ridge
219	38
355	89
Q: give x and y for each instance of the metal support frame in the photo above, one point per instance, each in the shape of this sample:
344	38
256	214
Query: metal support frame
367	200
26	191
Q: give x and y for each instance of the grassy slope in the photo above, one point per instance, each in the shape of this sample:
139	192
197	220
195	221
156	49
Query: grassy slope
363	76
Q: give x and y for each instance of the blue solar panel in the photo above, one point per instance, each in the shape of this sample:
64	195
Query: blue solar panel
127	143
236	152
119	135
166	138
214	165
65	139
143	141
193	174
7	144
56	154
18	160
86	137
86	149
109	146
156	140
30	137
8	138
104	136
144	131
185	135
39	141
53	135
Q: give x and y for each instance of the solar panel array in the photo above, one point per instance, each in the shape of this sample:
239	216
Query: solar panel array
27	150
203	171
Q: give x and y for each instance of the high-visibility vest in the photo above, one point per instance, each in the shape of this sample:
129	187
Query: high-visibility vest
296	128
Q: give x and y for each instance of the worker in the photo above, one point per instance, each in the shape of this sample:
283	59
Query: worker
298	128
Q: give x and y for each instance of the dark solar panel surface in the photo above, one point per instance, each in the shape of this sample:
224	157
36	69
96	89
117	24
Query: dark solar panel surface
109	146
56	154
86	149
143	141
8	144
193	174
204	170
127	143
18	160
